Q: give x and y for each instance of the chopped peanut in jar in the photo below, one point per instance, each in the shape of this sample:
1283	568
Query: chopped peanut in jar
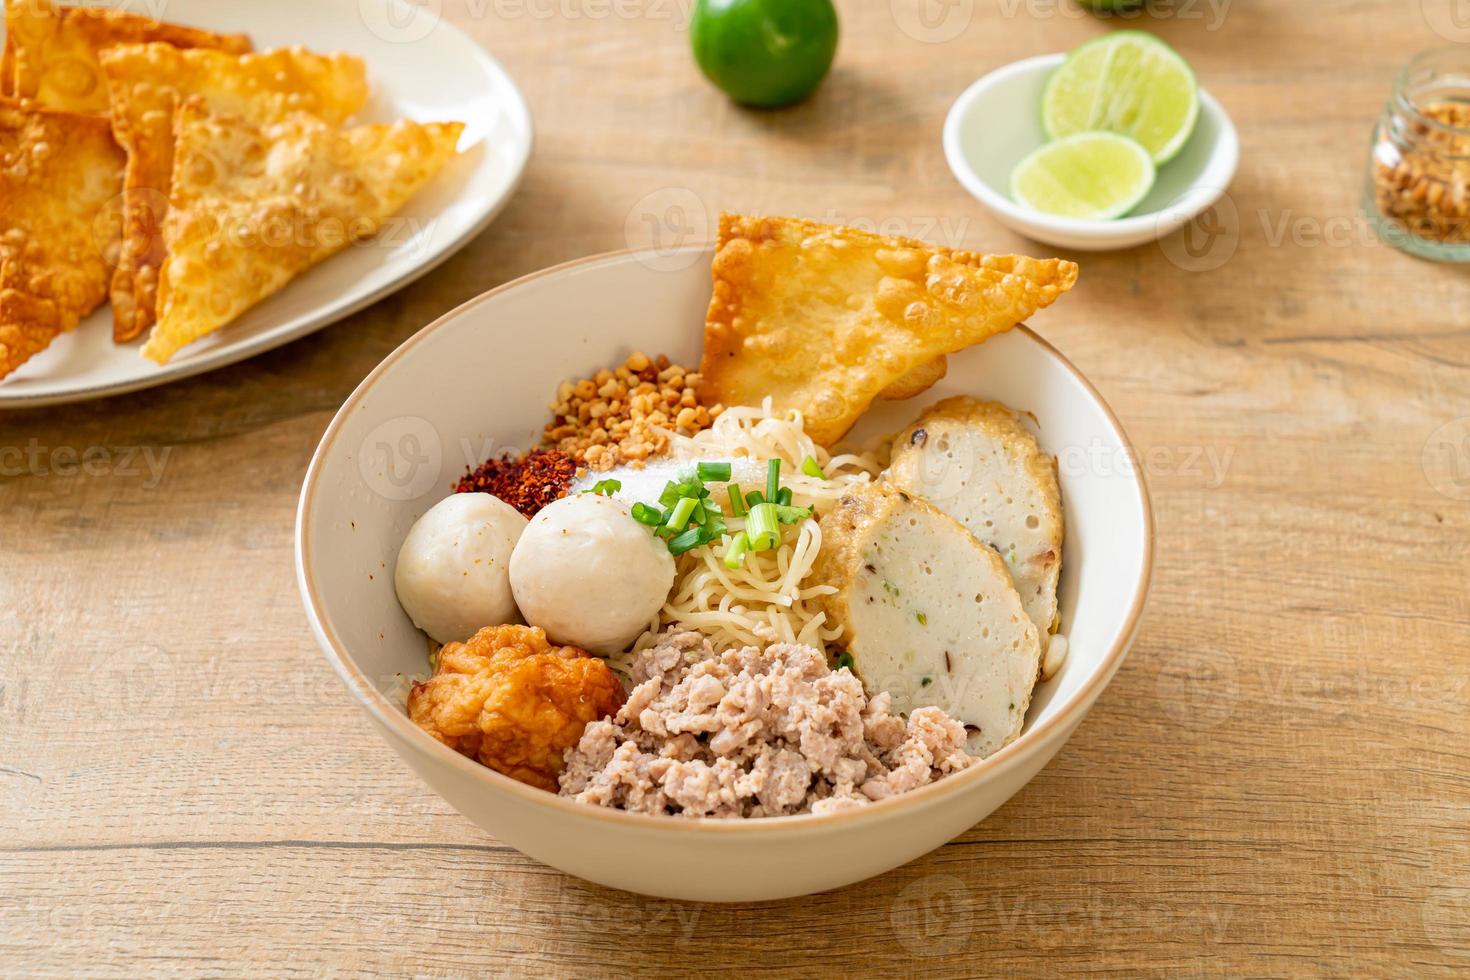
624	415
1422	180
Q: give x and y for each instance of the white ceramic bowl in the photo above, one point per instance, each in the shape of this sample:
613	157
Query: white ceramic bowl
996	122
478	380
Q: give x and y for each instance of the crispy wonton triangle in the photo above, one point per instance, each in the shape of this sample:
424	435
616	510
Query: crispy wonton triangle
146	82
54	49
7	68
57	172
252	207
825	319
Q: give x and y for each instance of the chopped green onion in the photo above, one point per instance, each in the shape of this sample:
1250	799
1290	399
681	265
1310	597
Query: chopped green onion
735	551
810	468
792	515
670	495
606	487
784	497
754	497
700	515
763	527
923	620
683	510
844	659
644	514
713	472
686	540
714	526
737	502
773	478
665	532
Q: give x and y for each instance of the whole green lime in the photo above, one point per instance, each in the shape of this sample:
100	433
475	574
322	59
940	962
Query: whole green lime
764	52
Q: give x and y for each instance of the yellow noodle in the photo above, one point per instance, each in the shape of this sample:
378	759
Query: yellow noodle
770	590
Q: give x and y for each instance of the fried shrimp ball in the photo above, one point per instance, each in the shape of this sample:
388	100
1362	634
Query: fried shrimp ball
513	701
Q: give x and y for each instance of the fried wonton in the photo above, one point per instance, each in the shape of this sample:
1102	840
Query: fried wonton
54	49
146	82
916	380
254	206
825	319
58	170
7	68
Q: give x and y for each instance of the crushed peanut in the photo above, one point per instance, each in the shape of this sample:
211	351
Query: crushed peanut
625	415
1425	186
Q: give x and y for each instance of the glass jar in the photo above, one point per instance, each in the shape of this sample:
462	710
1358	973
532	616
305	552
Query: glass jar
1418	194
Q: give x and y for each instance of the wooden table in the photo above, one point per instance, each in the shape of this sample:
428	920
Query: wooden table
1277	782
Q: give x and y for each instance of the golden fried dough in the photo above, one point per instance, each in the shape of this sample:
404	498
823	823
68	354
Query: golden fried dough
513	701
146	82
916	380
250	208
824	319
57	172
7	68
55	49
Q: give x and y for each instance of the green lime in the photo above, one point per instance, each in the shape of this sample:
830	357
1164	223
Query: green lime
1128	82
764	52
1093	176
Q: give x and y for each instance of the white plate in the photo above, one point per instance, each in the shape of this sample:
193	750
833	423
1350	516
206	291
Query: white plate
476	382
419	67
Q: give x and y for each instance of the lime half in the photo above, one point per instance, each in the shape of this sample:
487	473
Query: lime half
1130	83
1093	176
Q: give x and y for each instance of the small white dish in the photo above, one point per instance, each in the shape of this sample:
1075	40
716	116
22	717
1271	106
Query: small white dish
996	122
420	67
476	382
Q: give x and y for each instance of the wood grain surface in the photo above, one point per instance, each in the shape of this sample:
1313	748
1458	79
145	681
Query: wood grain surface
1276	783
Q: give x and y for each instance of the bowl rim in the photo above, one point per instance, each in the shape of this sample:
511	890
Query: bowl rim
1202	192
395	720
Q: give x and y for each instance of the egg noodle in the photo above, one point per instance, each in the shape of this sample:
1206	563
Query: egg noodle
769	592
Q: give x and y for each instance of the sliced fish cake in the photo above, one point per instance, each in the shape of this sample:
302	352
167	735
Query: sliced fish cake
976	462
928	613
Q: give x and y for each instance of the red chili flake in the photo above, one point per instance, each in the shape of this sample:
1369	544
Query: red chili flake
527	482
